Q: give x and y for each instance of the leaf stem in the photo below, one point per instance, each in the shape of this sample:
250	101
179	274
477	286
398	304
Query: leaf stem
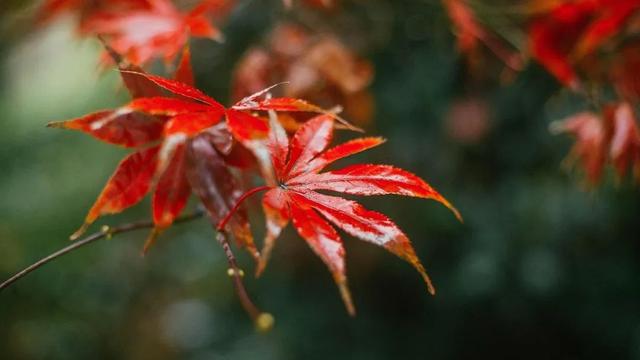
106	232
223	222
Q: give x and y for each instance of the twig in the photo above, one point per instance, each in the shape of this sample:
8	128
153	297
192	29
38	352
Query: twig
262	320
105	232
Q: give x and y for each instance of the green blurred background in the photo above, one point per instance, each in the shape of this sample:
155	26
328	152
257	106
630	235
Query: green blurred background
541	268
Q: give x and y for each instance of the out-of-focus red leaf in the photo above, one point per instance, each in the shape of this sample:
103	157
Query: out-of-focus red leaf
142	34
51	9
625	141
570	31
184	72
625	74
590	146
470	33
553	36
138	86
320	69
468	120
609	19
614	136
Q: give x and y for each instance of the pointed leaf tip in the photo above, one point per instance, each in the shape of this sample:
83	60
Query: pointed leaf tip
427	280
83	228
151	240
346	296
56	124
453	209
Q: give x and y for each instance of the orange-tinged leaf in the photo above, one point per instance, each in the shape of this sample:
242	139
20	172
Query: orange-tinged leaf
126	187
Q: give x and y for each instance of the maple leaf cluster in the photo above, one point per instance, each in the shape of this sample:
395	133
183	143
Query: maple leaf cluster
471	34
141	30
610	137
184	142
579	40
317	68
590	47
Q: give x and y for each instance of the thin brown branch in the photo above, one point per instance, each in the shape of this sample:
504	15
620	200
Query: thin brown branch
106	232
262	320
236	275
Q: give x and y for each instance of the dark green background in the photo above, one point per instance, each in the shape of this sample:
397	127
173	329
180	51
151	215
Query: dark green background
541	268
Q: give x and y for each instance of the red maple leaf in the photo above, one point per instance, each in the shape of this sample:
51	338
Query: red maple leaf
624	149
590	145
160	30
51	9
295	197
471	33
570	31
611	137
181	142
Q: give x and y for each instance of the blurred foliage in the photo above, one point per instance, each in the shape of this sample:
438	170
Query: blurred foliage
541	268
